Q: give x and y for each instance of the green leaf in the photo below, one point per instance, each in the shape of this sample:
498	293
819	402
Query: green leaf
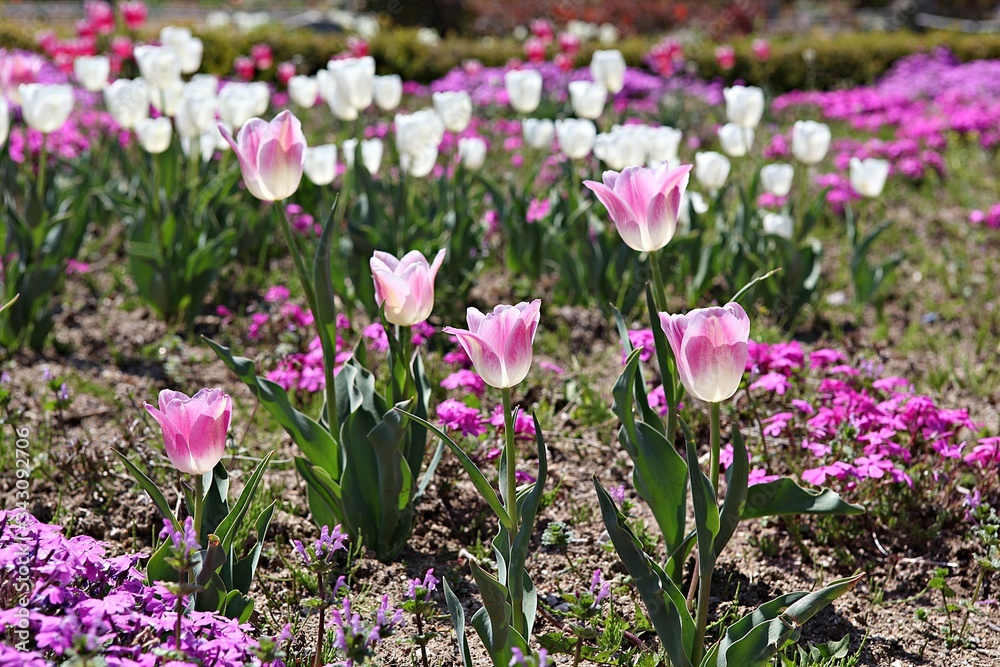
783	496
316	442
395	483
323	492
475	474
360	481
216	500
457	621
527	508
246	567
229	526
150	488
756	638
672	388
664	602
326	305
737	476
492	622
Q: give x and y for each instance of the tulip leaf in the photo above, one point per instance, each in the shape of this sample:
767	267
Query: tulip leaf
150	488
326	304
395	482
664	602
527	508
246	567
492	622
458	621
323	492
157	568
315	442
783	496
216	501
672	389
737	476
230	525
360	481
756	638
475	474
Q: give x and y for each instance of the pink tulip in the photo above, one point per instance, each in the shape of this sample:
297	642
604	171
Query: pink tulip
499	343
194	429
569	44
761	49
710	345
725	55
134	12
542	29
534	50
244	67
405	286
271	155
262	55
644	203
285	72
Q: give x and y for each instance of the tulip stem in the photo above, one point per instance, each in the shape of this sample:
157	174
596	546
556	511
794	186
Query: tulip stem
701	617
199	503
659	292
515	583
714	442
660	301
43	157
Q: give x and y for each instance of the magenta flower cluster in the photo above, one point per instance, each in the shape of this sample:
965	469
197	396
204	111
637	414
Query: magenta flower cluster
76	600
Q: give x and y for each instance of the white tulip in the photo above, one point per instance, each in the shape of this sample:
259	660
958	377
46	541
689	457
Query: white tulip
538	132
160	66
524	89
166	100
810	141
46	107
472	153
303	90
711	169
587	98
92	72
388	91
205	83
4	120
175	36
237	104
744	105
777	178
455	109
622	147
608	67
417	138
127	102
262	97
154	134
576	136
663	144
191	55
371	154
355	82
321	164
195	113
778	224
868	176
736	140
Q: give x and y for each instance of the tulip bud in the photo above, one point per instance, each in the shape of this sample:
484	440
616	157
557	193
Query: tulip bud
710	347
134	12
417	138
524	89
587	98
810	141
195	113
644	203
576	136
237	104
538	132
744	105
405	287
725	55
455	109
304	91
46	107
777	179
92	72
622	147
736	141
321	164
868	176
271	155
388	91
194	429
472	153
663	144
499	343
354	80
711	169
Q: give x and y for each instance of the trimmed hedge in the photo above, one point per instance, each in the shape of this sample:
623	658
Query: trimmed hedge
836	61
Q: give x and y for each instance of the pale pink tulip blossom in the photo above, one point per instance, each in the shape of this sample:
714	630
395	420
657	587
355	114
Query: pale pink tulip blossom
710	345
500	343
405	287
271	155
644	203
194	429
